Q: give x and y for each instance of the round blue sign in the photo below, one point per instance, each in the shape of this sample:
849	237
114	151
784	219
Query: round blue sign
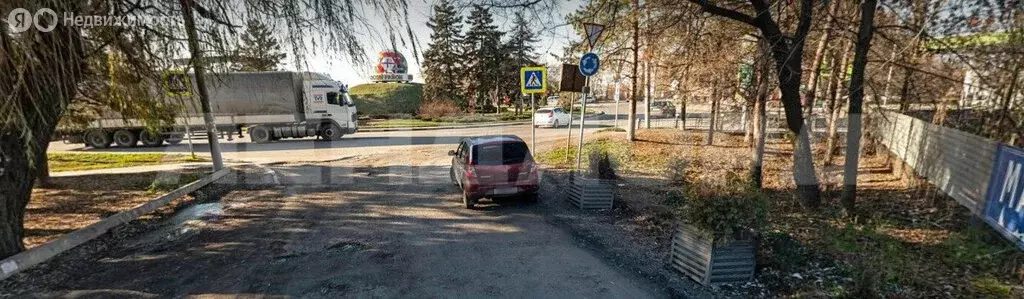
589	64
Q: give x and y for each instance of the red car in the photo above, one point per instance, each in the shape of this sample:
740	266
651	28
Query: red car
493	166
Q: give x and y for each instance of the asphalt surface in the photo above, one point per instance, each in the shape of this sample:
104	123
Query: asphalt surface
367	216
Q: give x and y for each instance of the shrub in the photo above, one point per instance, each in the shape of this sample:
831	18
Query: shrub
677	170
601	165
435	110
721	209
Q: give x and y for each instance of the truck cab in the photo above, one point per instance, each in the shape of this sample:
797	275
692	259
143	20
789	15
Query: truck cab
329	105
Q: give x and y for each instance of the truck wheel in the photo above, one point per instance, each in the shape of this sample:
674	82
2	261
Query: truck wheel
125	138
174	139
331	132
97	138
150	139
259	134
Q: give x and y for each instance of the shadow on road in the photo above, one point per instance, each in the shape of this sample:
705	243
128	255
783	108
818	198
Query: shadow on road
337	231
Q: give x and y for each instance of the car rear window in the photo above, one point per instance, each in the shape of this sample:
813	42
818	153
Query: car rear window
543	110
500	153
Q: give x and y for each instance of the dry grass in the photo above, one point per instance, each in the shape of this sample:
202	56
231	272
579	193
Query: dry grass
74	202
907	240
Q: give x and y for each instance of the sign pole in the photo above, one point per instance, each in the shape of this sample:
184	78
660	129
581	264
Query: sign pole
583	114
616	115
533	107
568	139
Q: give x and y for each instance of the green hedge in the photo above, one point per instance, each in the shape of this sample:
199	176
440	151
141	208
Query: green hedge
380	99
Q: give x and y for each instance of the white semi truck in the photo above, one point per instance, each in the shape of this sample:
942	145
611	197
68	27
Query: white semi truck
270	105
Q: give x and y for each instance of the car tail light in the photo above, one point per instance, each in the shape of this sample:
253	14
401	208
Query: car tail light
551	114
470	174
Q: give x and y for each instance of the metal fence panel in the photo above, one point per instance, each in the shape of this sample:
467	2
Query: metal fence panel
957	163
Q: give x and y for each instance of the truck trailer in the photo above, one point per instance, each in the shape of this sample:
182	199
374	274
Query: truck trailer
268	105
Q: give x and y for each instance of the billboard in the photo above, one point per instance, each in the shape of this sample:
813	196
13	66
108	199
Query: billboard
1004	200
391	67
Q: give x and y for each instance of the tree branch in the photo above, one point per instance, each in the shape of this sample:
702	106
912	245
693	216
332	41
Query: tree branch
724	12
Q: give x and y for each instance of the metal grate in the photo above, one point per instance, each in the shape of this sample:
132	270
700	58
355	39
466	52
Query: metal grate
588	193
711	264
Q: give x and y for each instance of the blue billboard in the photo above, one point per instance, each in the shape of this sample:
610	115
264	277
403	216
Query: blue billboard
1004	201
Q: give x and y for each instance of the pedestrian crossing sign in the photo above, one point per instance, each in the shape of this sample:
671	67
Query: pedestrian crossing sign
533	79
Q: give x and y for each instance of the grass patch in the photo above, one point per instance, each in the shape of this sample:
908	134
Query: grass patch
89	161
405	123
377	99
562	158
612	129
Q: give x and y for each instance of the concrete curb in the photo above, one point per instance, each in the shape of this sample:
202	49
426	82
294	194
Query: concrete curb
38	255
446	127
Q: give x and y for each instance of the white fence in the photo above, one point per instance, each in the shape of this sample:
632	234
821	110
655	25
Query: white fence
957	163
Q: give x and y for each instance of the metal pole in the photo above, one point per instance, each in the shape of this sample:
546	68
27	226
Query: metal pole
616	114
888	78
533	106
583	113
568	139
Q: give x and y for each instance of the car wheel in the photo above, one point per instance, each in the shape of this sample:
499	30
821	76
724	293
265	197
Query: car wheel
556	124
468	200
451	175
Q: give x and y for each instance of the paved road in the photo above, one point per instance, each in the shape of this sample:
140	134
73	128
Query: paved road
374	216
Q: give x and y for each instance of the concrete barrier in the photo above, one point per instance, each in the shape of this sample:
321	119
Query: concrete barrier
37	255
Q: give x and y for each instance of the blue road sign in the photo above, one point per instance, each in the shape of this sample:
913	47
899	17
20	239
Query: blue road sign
533	79
589	64
1004	201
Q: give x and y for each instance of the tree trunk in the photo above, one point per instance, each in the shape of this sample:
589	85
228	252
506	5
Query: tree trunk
43	180
714	114
819	55
647	91
200	72
631	127
1004	111
760	117
51	64
832	109
908	81
860	61
788	70
748	125
682	114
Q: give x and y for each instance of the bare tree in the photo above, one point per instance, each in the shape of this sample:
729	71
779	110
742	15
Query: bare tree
787	51
860	61
51	71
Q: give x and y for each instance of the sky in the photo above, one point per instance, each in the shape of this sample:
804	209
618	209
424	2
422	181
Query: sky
553	37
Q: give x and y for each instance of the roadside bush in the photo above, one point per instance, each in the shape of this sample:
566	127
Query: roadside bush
601	165
720	209
513	116
677	170
434	110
